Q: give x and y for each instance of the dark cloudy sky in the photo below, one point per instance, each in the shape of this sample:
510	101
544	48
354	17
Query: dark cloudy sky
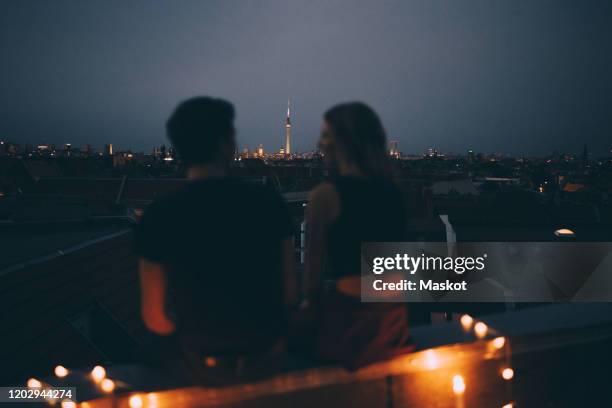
494	76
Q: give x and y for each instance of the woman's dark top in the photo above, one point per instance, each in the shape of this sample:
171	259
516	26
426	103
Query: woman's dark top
371	210
348	331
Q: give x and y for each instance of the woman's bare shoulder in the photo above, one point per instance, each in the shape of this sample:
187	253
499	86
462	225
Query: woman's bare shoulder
324	201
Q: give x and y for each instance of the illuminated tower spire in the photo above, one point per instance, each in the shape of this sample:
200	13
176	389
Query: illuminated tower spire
288	129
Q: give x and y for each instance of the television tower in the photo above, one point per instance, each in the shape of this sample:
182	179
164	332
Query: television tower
288	130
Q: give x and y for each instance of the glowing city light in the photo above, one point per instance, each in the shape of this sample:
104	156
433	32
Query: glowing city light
60	371
480	329
507	373
107	385
499	342
458	384
34	383
98	373
466	322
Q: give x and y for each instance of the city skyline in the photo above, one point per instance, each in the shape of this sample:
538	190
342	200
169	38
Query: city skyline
285	149
514	77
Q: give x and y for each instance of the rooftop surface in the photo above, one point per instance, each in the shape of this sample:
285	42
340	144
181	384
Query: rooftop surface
27	242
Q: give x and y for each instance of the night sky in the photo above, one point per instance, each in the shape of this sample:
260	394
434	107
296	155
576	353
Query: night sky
519	77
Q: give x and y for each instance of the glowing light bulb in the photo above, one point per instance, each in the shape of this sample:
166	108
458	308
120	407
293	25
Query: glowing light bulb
431	360
61	371
107	385
466	322
152	400
507	373
564	232
499	342
508	405
458	384
135	401
34	383
480	329
68	404
98	373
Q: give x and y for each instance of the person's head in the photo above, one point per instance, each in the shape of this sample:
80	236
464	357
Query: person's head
201	129
353	137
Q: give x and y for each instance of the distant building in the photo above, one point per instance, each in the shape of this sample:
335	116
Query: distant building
108	149
393	149
471	156
288	130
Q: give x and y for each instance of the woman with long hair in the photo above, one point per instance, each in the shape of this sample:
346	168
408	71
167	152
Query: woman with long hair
360	203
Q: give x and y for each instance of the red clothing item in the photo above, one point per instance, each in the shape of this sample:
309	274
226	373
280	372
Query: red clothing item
341	329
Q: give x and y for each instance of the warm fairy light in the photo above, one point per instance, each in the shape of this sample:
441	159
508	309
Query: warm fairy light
508	405
135	401
430	360
61	371
68	404
507	373
152	400
466	322
210	361
499	342
564	232
34	383
458	384
480	329
98	373
107	385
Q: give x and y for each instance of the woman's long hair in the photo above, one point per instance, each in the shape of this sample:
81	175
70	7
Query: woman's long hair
361	136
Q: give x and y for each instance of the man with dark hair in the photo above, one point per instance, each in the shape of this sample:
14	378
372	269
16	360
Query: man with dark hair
220	250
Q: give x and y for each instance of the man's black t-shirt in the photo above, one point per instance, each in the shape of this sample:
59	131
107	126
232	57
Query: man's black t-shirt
221	243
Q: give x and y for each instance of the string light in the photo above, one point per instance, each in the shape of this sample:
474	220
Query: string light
431	360
458	385
480	329
151	400
33	383
98	373
60	371
107	385
499	342
135	401
466	322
